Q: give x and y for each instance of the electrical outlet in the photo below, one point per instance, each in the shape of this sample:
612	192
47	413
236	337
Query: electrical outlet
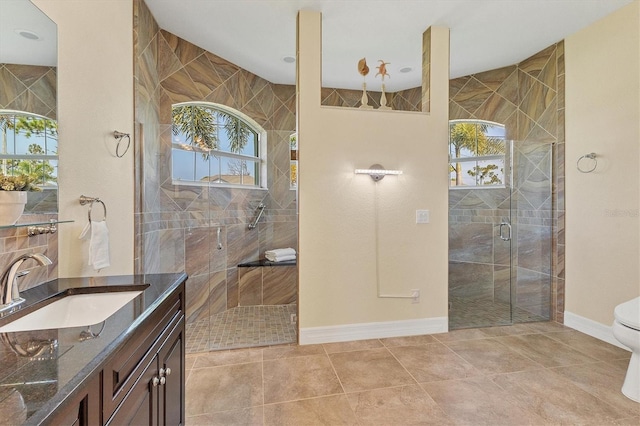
422	216
415	295
294	318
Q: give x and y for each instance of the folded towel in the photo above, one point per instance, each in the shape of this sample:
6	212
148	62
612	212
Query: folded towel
281	258
280	252
98	235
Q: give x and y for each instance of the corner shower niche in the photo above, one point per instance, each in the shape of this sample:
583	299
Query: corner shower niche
493	279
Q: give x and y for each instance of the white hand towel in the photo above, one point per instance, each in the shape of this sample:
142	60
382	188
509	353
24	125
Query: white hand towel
284	258
281	258
99	245
280	252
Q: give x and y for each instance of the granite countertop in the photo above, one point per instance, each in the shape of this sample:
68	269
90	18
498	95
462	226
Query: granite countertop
43	381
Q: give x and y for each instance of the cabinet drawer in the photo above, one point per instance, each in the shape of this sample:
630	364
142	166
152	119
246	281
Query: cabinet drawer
122	371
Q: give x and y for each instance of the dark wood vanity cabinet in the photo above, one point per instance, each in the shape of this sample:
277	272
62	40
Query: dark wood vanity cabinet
81	410
144	384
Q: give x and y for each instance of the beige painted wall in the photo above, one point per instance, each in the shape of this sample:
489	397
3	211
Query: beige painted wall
602	115
337	257
95	88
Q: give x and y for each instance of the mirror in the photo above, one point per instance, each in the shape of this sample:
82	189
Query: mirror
28	84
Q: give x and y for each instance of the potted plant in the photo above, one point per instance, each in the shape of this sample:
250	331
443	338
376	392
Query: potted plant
13	197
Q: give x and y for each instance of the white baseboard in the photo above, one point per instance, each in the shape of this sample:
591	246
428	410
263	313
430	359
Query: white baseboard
592	328
373	330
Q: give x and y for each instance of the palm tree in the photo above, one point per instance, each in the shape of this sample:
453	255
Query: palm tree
472	137
237	132
198	125
30	125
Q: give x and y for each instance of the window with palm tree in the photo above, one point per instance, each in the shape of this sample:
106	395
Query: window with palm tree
216	145
476	153
29	147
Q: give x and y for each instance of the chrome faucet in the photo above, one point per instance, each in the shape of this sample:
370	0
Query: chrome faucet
9	293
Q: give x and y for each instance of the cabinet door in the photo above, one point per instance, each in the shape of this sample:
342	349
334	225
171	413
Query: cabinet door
171	359
82	410
140	406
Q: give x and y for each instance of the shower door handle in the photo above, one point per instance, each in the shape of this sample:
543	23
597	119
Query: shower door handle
508	236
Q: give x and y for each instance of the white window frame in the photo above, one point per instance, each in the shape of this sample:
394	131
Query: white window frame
261	159
475	159
31	157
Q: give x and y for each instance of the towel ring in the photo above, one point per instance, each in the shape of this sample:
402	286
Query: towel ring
119	136
84	200
590	156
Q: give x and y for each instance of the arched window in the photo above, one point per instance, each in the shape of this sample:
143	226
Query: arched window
29	147
217	145
476	154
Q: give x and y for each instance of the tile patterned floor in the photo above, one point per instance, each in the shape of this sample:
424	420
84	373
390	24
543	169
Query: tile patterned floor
536	374
470	313
242	327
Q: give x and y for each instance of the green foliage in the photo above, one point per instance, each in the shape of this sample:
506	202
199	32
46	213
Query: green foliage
485	175
473	137
237	132
17	183
200	124
34	171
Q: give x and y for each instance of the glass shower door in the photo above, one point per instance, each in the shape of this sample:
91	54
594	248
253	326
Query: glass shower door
500	244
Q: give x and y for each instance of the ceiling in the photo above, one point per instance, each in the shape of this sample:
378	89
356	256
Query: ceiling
485	34
21	16
258	34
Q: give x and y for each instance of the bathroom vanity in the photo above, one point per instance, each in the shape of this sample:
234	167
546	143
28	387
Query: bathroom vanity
129	371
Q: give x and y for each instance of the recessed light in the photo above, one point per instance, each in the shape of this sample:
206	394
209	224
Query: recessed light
29	35
289	59
406	70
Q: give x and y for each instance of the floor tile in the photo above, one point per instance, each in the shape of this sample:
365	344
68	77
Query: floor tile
508	330
356	345
590	345
406	405
224	388
548	326
408	340
432	362
252	416
603	380
329	410
300	377
490	356
545	350
279	352
556	399
369	369
217	358
464	334
479	401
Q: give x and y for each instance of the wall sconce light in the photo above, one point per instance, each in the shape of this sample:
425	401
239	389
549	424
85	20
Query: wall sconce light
377	172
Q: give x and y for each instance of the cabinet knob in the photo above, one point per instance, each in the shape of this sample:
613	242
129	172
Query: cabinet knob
155	381
164	372
163	380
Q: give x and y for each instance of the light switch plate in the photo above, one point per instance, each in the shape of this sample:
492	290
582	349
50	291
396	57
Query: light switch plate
422	216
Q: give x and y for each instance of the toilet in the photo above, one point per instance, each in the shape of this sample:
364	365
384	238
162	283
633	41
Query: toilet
626	328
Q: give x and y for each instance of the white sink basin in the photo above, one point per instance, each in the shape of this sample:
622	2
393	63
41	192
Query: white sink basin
76	310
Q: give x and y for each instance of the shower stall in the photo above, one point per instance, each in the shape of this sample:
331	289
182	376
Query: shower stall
500	240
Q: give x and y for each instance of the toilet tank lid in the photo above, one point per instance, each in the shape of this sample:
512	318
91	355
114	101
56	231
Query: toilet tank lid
628	313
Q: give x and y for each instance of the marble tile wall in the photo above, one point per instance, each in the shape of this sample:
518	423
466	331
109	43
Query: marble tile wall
32	89
177	225
529	99
28	88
